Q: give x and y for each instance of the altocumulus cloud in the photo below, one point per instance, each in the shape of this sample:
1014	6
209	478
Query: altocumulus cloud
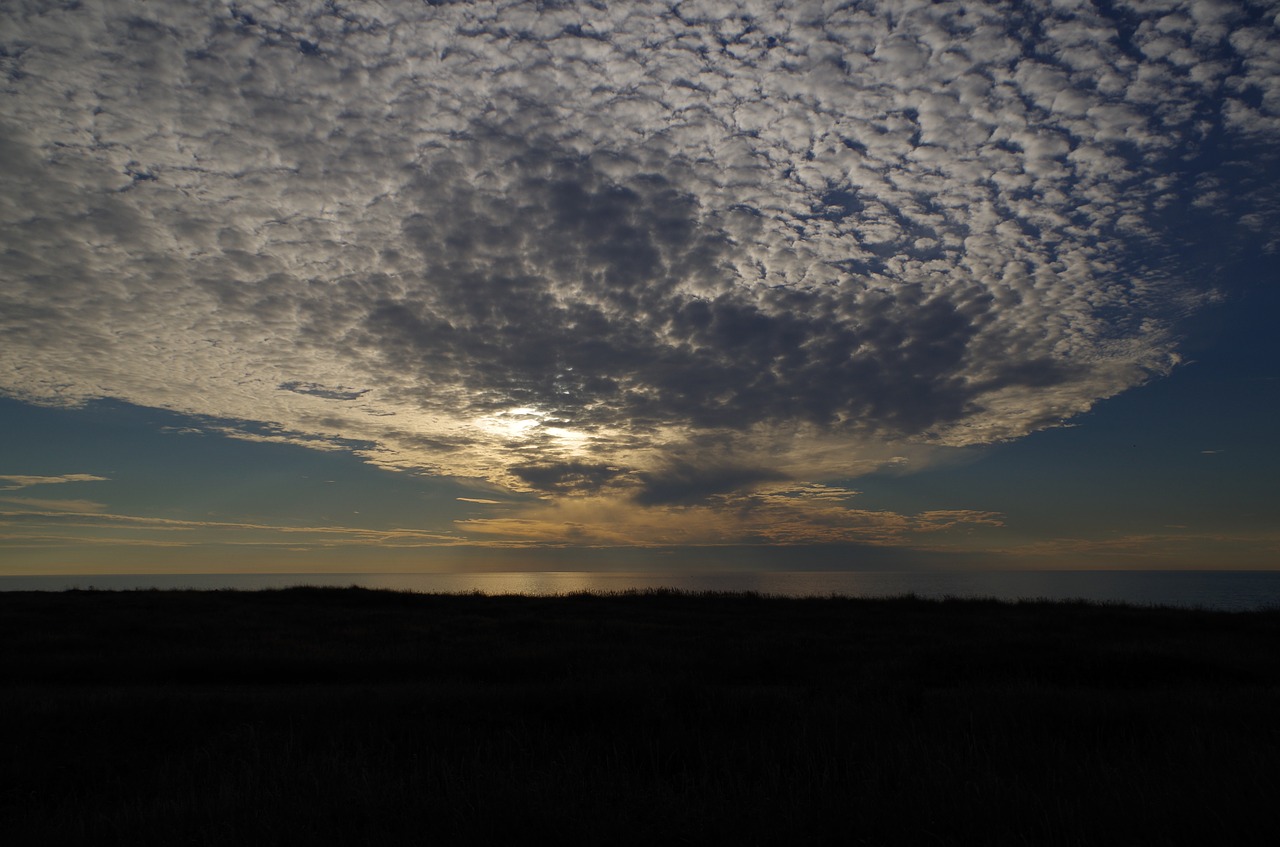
652	252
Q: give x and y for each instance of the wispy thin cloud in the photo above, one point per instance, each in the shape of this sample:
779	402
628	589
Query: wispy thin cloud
18	481
1176	547
52	505
69	524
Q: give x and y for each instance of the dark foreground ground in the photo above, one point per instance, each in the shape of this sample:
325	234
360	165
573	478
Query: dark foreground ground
327	716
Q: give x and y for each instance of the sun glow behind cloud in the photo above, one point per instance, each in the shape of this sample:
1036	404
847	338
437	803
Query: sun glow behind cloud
656	265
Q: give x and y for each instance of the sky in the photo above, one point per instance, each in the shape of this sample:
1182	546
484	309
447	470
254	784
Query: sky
452	286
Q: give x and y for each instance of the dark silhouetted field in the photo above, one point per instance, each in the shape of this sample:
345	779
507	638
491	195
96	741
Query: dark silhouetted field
348	716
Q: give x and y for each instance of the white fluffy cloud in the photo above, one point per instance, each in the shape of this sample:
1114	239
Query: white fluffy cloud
668	251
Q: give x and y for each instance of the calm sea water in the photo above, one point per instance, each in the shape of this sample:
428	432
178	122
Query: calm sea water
1236	590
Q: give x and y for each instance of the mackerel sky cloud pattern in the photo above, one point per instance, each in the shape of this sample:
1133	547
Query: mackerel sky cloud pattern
660	252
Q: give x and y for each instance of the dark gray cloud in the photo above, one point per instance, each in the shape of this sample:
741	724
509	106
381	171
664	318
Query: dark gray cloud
566	477
321	391
589	247
686	483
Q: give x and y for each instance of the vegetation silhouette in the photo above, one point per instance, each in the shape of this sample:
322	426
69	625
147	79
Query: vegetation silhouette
353	716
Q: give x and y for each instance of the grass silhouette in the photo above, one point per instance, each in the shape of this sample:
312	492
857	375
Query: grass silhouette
350	716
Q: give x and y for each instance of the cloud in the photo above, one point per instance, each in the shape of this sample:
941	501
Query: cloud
565	477
773	514
62	522
1181	549
587	251
55	505
320	391
18	481
686	483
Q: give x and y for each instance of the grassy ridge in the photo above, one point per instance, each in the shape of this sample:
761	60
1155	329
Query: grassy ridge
350	716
